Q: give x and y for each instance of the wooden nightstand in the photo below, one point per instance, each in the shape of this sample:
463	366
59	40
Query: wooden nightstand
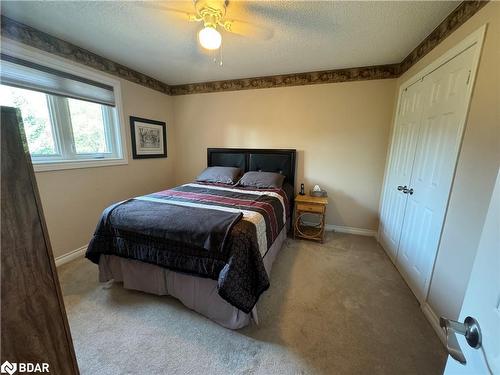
305	204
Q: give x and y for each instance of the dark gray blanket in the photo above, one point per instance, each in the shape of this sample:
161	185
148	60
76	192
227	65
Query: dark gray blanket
164	230
198	228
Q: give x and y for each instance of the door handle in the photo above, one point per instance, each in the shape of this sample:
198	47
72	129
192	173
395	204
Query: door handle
401	188
469	328
407	191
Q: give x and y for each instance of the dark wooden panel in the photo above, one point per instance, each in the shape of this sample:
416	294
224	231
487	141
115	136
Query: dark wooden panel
33	318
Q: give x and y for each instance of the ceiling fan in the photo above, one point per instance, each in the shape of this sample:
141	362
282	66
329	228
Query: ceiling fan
212	13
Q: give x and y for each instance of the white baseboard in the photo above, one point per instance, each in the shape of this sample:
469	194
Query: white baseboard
434	320
350	230
72	255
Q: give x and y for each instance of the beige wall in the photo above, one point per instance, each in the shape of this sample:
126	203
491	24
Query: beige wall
74	199
340	144
340	131
476	170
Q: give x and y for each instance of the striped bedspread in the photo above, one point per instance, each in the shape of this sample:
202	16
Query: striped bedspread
183	229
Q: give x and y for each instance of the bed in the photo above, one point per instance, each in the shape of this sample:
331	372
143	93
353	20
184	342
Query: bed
211	246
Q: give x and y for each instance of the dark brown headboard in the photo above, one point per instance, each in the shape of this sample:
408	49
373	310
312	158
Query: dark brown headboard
255	159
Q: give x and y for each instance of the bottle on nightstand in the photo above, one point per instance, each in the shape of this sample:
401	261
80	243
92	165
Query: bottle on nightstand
302	189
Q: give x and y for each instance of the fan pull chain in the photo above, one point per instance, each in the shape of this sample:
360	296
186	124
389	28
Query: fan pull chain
220	55
212	55
218	61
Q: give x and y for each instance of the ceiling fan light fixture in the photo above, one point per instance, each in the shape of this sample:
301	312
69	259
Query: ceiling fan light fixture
210	38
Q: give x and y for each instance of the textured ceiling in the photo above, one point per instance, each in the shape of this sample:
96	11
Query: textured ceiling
306	36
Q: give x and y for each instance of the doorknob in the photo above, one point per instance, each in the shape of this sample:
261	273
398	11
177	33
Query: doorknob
401	187
469	328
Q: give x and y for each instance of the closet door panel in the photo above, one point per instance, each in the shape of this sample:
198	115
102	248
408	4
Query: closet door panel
443	117
400	168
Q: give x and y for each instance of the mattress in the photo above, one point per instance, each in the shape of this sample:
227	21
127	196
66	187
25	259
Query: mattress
206	230
197	293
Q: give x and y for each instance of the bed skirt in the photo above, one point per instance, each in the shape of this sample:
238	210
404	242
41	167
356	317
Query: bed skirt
197	293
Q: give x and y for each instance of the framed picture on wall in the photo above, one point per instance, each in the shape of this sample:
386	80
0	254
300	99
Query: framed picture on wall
149	138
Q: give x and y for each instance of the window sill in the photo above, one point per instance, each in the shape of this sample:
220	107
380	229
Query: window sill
76	164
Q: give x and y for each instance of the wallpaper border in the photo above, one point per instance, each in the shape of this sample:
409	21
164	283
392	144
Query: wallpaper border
453	21
28	35
287	80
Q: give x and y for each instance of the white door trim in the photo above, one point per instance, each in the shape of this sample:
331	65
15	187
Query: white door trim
473	40
434	321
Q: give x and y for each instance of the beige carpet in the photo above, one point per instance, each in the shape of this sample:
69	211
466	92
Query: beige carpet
336	308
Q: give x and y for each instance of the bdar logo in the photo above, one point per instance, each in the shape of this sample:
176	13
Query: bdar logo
8	368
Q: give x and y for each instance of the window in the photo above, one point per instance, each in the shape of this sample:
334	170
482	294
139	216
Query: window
36	118
68	120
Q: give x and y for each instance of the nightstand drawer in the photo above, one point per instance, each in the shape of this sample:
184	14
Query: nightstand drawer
316	208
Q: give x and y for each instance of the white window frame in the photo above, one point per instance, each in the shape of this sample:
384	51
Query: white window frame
60	161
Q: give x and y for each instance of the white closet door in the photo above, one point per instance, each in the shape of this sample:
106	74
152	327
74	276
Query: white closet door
400	166
440	134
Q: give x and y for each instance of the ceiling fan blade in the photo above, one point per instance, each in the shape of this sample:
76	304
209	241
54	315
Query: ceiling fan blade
181	13
248	29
